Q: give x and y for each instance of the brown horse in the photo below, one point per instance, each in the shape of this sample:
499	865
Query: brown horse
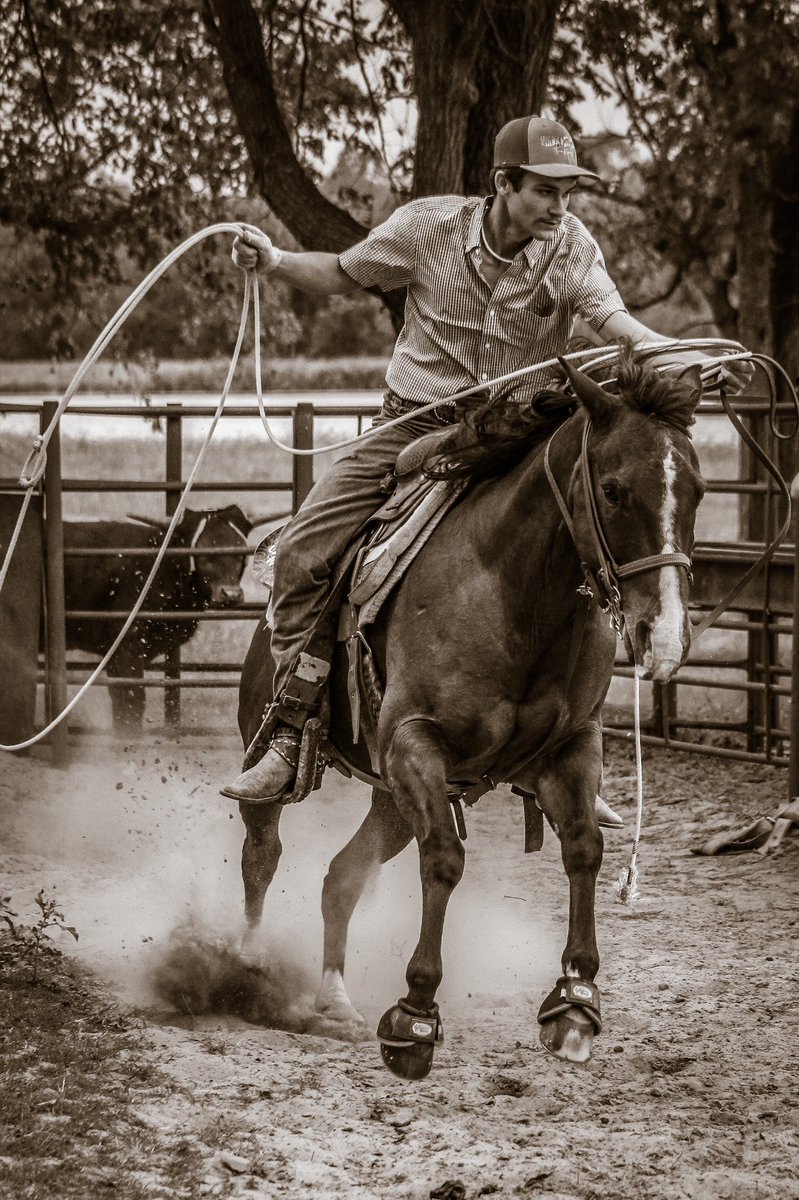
496	651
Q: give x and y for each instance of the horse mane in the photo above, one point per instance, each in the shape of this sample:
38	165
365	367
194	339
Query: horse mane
490	439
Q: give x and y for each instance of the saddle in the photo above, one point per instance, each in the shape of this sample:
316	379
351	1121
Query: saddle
367	575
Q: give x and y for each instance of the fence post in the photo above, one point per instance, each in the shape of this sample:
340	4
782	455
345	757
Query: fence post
55	627
302	478
793	763
173	469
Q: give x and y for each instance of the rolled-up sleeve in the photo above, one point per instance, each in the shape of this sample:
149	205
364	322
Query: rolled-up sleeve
385	259
596	296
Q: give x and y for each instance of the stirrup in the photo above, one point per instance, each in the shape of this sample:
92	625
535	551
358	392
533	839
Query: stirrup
287	742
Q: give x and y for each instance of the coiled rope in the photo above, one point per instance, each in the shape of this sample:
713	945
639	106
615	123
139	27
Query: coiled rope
33	470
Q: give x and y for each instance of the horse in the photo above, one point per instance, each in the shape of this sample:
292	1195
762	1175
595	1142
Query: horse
496	651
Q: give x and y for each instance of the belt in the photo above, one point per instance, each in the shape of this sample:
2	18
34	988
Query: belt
399	406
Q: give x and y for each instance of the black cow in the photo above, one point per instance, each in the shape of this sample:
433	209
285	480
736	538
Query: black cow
189	582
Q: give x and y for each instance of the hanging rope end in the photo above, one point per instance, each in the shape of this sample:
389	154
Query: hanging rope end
627	885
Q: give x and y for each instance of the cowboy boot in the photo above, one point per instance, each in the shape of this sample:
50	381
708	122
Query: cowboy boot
272	777
606	816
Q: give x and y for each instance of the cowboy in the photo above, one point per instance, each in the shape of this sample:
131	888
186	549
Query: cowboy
493	284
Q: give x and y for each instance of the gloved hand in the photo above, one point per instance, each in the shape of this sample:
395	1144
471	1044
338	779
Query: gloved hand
253	251
734	376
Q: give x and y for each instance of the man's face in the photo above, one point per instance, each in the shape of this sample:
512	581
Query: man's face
537	208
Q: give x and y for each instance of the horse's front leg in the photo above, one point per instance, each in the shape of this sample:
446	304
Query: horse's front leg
416	759
260	856
570	1015
380	838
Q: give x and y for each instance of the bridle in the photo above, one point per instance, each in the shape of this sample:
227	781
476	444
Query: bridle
602	581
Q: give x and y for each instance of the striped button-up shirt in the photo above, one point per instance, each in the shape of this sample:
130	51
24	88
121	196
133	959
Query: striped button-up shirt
458	331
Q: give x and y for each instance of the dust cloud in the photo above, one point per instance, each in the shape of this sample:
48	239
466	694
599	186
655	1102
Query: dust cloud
143	856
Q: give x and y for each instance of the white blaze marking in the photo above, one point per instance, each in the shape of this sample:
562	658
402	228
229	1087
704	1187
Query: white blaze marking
667	628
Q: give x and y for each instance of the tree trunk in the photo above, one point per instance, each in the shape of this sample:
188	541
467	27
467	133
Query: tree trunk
314	221
785	279
785	230
476	66
768	313
477	63
754	253
293	197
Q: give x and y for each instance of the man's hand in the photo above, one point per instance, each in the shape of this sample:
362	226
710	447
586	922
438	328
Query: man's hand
253	251
733	376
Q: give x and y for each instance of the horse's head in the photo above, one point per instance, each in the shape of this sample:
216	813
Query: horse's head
646	486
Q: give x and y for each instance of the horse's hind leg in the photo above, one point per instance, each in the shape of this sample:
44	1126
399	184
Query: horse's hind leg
260	856
567	789
380	838
416	762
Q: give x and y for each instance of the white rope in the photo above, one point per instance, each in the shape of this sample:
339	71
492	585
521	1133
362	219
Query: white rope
176	516
34	467
627	885
597	357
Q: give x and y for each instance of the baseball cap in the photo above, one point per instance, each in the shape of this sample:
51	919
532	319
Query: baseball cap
538	145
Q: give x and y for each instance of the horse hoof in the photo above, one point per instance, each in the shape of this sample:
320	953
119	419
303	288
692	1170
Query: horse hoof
408	1062
340	1013
569	1036
408	1039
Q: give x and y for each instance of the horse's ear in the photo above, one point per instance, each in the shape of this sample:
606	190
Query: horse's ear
692	375
600	404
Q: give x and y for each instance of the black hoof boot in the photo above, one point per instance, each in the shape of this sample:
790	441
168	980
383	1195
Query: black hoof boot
408	1038
569	1019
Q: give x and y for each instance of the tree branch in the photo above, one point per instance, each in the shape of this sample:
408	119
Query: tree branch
356	45
315	221
49	102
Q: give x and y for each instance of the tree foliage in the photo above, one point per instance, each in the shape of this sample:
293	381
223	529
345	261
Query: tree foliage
131	125
712	95
125	127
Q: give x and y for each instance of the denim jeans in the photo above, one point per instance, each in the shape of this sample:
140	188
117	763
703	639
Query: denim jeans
311	544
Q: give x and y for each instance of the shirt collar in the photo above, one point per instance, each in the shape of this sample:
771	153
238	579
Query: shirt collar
473	231
533	251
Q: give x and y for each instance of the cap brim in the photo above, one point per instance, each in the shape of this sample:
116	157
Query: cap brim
558	170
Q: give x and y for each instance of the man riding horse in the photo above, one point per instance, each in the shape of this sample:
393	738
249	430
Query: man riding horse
493	284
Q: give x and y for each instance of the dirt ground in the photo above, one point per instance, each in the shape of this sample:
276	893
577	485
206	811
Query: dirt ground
691	1091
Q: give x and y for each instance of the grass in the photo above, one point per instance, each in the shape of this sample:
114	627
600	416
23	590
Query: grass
141	379
70	1069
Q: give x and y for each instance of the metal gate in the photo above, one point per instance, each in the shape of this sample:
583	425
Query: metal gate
754	665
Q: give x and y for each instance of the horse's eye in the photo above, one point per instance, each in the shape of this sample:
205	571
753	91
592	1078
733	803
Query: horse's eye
611	493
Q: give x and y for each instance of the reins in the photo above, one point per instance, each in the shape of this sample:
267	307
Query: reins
33	470
602	583
602	580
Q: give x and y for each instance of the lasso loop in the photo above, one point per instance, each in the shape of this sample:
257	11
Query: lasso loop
33	470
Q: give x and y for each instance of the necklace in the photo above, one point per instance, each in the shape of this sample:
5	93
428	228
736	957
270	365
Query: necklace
490	249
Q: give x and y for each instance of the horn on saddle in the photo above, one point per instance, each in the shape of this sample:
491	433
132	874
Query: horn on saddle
595	398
